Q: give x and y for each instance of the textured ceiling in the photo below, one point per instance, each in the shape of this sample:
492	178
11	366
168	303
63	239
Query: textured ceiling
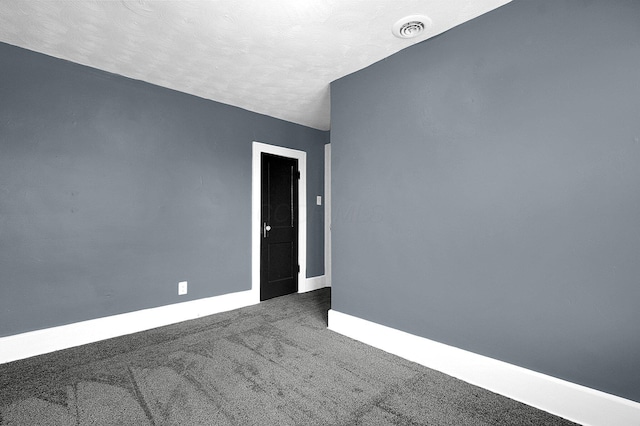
275	57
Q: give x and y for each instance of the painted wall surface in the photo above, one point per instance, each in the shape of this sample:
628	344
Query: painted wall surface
113	190
486	190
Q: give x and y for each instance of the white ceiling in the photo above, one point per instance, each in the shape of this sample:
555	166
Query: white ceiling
275	57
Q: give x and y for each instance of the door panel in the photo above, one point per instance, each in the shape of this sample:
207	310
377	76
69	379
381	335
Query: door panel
279	243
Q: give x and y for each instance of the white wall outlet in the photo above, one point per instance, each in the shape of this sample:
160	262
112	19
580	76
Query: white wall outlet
182	288
319	200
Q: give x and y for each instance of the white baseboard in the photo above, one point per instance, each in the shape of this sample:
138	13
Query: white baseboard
313	283
52	339
574	402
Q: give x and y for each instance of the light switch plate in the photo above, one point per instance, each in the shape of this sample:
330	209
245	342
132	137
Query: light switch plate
319	200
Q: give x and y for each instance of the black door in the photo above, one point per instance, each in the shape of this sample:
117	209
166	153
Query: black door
279	242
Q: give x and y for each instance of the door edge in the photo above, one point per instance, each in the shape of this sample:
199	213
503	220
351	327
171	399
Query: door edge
327	214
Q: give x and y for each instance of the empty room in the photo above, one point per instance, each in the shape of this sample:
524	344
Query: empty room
320	212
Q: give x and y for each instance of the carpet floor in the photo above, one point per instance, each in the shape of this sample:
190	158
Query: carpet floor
270	364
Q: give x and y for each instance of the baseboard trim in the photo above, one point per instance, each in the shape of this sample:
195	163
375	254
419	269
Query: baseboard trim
313	283
574	402
52	339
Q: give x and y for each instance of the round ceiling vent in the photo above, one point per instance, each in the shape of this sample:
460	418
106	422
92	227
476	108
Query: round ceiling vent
411	26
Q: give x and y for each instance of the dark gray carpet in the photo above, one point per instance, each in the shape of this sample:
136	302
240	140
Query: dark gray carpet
270	364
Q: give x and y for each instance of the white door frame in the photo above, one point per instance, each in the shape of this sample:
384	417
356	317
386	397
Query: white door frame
256	227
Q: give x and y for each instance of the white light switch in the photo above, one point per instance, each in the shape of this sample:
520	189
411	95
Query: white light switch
182	288
319	200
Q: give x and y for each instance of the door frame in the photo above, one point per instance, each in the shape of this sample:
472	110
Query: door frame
256	226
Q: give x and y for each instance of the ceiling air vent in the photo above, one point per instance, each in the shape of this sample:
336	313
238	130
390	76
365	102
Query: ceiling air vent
411	26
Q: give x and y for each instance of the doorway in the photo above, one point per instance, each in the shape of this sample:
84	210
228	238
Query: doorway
258	225
279	216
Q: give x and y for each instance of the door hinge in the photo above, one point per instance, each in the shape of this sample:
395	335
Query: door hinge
298	174
298	268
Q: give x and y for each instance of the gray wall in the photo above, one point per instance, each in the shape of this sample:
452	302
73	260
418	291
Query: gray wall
486	190
113	190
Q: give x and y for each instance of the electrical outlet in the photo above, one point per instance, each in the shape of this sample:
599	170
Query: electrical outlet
182	288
